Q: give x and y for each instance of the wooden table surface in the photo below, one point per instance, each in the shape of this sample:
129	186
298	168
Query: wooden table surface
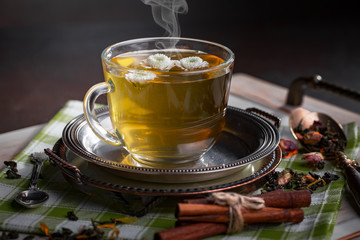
243	86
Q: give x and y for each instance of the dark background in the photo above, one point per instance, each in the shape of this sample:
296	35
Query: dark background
50	50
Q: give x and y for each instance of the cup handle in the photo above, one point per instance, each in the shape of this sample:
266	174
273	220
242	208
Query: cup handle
89	111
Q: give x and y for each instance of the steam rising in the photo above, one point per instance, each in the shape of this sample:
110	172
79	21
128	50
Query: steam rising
165	14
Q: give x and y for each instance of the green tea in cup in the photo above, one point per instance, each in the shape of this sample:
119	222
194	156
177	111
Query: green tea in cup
167	104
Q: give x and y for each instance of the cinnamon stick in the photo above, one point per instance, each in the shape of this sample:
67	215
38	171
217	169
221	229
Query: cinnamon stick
214	213
204	229
184	209
210	225
204	218
199	218
273	215
192	231
278	199
287	199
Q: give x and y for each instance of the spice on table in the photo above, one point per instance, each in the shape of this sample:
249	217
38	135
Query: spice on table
12	172
9	235
198	227
284	177
11	164
65	233
29	237
215	213
45	229
71	216
126	220
93	232
307	179
197	221
278	199
297	181
288	147
320	137
312	137
314	159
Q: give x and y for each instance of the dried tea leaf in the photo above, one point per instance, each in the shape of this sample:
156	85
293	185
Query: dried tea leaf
11	174
71	216
126	220
11	164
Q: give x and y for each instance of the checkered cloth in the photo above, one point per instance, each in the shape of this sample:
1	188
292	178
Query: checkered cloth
319	220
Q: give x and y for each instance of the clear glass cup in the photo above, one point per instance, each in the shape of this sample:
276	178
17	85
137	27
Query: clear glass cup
166	112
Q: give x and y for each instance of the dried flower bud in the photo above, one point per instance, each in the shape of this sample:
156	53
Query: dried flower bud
299	136
288	147
313	157
312	137
317	124
283	180
284	177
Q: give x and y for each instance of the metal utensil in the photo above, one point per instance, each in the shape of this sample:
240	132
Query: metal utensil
33	197
306	119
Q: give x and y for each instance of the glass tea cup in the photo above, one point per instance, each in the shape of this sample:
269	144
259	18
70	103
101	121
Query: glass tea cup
167	98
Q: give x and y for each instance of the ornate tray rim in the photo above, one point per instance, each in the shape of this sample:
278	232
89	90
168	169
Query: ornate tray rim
58	158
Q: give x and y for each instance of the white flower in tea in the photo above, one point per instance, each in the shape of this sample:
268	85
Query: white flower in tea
193	62
139	76
160	61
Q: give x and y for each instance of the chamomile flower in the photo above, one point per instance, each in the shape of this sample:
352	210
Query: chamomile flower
139	76
159	61
193	62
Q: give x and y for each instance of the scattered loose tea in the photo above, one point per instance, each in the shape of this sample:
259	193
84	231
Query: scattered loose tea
11	164
30	237
314	159
312	137
284	177
13	235
71	216
127	220
12	172
307	179
320	137
64	234
93	232
9	235
116	221
288	147
328	177
66	231
289	179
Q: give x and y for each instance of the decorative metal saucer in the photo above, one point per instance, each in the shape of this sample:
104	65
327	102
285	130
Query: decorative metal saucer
94	180
246	139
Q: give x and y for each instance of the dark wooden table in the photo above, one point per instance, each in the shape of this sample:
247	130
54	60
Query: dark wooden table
50	51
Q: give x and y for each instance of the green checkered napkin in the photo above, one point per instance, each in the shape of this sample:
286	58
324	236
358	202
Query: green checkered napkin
319	220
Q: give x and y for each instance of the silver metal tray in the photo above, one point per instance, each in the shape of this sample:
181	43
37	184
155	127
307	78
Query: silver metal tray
246	139
136	197
94	180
